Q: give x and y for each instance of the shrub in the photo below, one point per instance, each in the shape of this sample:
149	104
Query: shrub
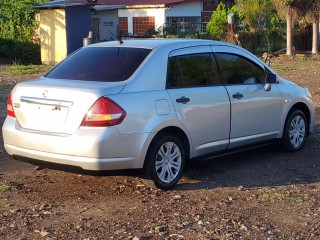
17	28
257	42
20	52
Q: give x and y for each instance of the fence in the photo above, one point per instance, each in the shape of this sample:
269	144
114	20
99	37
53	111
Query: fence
182	29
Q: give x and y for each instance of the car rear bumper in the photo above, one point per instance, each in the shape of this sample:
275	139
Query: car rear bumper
99	148
86	163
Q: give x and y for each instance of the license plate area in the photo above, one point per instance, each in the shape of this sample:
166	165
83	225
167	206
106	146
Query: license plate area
44	116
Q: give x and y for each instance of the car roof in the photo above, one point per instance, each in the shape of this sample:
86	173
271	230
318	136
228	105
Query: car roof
156	43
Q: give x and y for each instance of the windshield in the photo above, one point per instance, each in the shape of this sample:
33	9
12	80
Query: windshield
104	64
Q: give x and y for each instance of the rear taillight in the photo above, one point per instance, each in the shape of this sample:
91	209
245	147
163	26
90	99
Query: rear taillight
104	112
10	110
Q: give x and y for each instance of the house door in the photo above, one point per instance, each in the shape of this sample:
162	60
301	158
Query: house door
96	28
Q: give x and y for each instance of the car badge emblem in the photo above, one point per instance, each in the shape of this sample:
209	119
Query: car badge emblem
45	94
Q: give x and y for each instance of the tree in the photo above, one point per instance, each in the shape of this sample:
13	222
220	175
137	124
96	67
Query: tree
308	11
288	10
218	24
17	28
17	22
312	13
257	13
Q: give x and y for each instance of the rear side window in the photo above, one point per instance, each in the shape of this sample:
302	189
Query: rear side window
192	70
236	69
104	64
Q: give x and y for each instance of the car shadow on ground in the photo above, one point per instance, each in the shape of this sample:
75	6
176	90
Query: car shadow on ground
261	167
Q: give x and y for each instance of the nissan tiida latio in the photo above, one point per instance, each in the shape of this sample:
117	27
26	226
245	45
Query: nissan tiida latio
153	104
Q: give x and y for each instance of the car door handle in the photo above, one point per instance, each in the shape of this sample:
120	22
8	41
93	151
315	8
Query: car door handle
183	100
237	95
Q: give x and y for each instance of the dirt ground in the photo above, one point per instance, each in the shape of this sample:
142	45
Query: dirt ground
258	194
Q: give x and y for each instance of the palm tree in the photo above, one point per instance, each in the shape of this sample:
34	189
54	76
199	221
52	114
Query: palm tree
314	13
288	10
309	11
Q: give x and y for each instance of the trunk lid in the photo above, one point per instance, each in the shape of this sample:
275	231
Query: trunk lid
57	106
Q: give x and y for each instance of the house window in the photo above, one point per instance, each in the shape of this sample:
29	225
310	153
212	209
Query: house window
182	26
123	25
204	23
212	2
141	25
183	20
211	5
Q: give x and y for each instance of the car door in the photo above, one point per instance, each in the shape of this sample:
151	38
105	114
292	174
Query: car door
201	102
255	112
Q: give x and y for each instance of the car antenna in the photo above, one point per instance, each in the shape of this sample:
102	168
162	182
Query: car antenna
120	42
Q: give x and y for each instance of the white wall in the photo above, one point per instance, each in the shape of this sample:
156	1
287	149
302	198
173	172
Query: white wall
157	13
185	10
181	10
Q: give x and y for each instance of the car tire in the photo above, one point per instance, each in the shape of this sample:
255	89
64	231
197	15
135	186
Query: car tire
295	131
165	162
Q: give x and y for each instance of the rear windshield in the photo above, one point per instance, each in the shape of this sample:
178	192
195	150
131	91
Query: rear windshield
104	64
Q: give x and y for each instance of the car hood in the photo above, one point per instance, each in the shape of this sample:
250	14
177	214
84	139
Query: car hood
285	81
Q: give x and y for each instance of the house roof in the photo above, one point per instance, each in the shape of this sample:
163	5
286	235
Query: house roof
58	4
114	4
134	2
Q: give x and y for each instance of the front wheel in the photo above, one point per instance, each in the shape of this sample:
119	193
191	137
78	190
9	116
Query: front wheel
295	131
165	162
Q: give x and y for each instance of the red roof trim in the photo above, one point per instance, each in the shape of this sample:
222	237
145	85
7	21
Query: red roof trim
135	2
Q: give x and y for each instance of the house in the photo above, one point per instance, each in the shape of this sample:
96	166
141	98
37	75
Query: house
64	23
62	27
145	17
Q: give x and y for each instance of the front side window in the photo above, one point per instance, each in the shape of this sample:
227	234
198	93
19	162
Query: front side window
192	70
103	64
236	69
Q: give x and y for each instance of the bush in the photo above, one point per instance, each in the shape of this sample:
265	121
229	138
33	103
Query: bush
218	24
17	29
302	38
20	52
257	42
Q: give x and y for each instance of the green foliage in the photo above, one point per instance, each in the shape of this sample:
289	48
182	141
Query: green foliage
218	24
264	30
238	15
258	14
18	69
259	42
171	36
21	52
17	28
198	35
285	2
6	187
17	22
274	196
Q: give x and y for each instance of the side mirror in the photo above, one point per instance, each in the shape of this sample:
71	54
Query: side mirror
267	87
271	78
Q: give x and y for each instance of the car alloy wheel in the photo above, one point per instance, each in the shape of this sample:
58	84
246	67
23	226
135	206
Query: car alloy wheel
168	162
295	131
165	162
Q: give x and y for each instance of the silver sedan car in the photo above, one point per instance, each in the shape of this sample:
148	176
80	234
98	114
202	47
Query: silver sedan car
152	105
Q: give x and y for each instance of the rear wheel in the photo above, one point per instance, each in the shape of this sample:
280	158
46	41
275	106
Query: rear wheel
165	162
295	131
